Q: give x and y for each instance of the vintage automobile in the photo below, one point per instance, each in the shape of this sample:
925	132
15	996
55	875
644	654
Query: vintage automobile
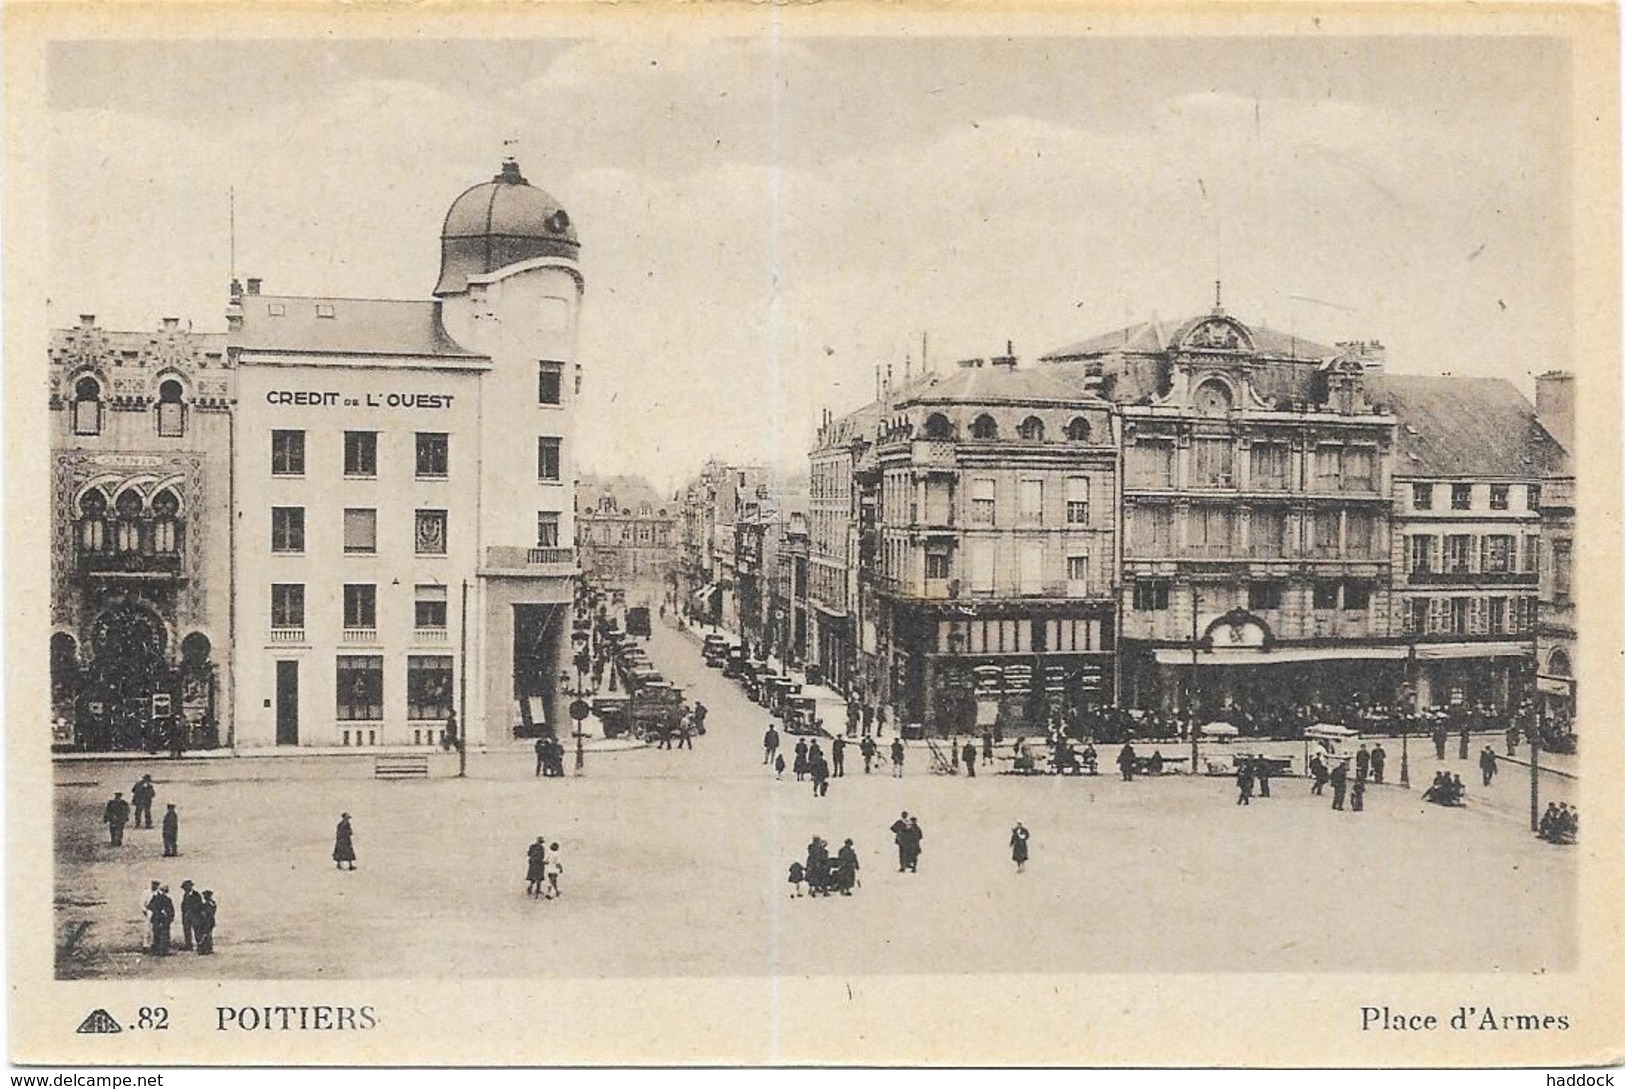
801	716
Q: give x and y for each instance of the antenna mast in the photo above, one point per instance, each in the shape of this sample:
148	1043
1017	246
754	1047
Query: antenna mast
231	201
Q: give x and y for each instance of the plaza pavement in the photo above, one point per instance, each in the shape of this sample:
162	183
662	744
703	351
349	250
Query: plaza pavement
674	864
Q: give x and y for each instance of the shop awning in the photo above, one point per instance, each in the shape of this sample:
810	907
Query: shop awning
1507	649
1276	655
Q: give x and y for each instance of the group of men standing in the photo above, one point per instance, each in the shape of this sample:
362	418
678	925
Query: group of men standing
906	833
117	813
197	914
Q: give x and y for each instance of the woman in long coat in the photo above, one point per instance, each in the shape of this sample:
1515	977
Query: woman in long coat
536	867
344	843
1018	846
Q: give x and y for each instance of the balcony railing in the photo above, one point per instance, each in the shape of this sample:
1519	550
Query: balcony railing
429	635
933	453
1481	578
541	561
287	635
359	635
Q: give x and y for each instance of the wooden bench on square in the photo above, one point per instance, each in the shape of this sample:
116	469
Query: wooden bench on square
401	766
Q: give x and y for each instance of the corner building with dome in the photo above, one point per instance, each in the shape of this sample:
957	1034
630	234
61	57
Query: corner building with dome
403	479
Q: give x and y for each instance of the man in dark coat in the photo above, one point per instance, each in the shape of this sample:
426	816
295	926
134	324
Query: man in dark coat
344	843
1340	783
541	756
1357	795
897	758
770	744
900	834
867	748
818	770
1441	736
1379	760
800	764
142	795
1362	764
172	831
1465	740
853	715
116	815
1486	764
1317	769
969	755
915	836
846	868
987	746
837	756
868	719
162	913
205	924
1512	739
1244	782
1261	771
700	711
1125	761
191	905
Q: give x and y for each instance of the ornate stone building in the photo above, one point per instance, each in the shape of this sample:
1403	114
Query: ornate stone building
626	530
140	546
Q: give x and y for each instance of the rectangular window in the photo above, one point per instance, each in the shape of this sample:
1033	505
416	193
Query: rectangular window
360	530
1326	526
429	533
429	608
1360	469
1151	463
433	455
1263	595
360	688
1531	554
1325	594
1562	569
1154	530
1269	533
360	605
1423	553
981	565
1500	553
1533	499
1032	501
1498	616
171	419
1214	463
287	529
1268	469
550	384
939	502
1500	496
1356	597
547	529
1328	468
936	565
547	458
87	417
428	687
287	605
1458	554
1421	496
982	507
1077	500
1461	497
1417	615
1030	559
1210	529
1459	613
1150	595
361	453
287	453
1359	531
1077	574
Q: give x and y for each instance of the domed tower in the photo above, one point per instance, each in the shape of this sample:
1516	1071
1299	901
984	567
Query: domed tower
510	290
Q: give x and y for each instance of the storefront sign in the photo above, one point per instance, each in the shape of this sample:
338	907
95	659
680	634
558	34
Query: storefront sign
330	399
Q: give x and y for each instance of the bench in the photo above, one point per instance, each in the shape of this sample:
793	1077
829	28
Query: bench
1169	765
404	766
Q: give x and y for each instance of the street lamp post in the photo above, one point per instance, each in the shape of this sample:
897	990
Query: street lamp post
1190	685
578	714
1536	736
1410	717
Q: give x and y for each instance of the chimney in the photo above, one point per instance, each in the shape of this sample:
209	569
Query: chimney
1008	360
171	324
1554	406
236	288
254	285
87	321
1373	356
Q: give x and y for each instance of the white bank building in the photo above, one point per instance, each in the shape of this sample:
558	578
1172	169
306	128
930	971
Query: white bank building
403	532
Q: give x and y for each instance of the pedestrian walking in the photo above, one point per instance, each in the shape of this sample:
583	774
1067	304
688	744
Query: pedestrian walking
1018	846
1441	737
172	831
853	715
1465	739
1317	769
868	719
969	756
778	766
685	733
915	837
880	721
1512	739
1125	761
344	843
1357	795
770	744
207	913
818	771
542	754
896	758
1340	783
1261	772
700	711
535	867
1244	782
191	905
161	911
866	748
800	765
1487	765
837	756
846	868
142	795
1379	760
116	815
901	836
797	877
555	872
448	733
1362	764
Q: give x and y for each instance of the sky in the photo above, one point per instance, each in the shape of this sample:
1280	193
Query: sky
766	221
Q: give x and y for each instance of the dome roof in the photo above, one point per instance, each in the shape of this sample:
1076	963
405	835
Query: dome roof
499	223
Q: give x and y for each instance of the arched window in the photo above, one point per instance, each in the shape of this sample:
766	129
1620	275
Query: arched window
984	427
1077	430
1558	664
92	535
1031	429
64	669
171	411
195	649
87	407
1213	398
165	536
938	427
127	527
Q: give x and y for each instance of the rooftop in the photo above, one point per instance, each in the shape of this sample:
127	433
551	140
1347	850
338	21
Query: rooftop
319	325
1452	426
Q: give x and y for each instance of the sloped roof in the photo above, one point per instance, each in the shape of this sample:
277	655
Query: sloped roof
627	492
373	327
988	384
1153	338
1453	426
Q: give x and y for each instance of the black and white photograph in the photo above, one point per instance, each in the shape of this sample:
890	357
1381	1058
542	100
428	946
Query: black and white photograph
814	537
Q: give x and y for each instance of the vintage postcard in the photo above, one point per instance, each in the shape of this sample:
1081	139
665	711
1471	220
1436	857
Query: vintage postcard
813	534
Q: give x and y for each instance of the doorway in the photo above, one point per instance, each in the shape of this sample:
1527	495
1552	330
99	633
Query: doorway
287	703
